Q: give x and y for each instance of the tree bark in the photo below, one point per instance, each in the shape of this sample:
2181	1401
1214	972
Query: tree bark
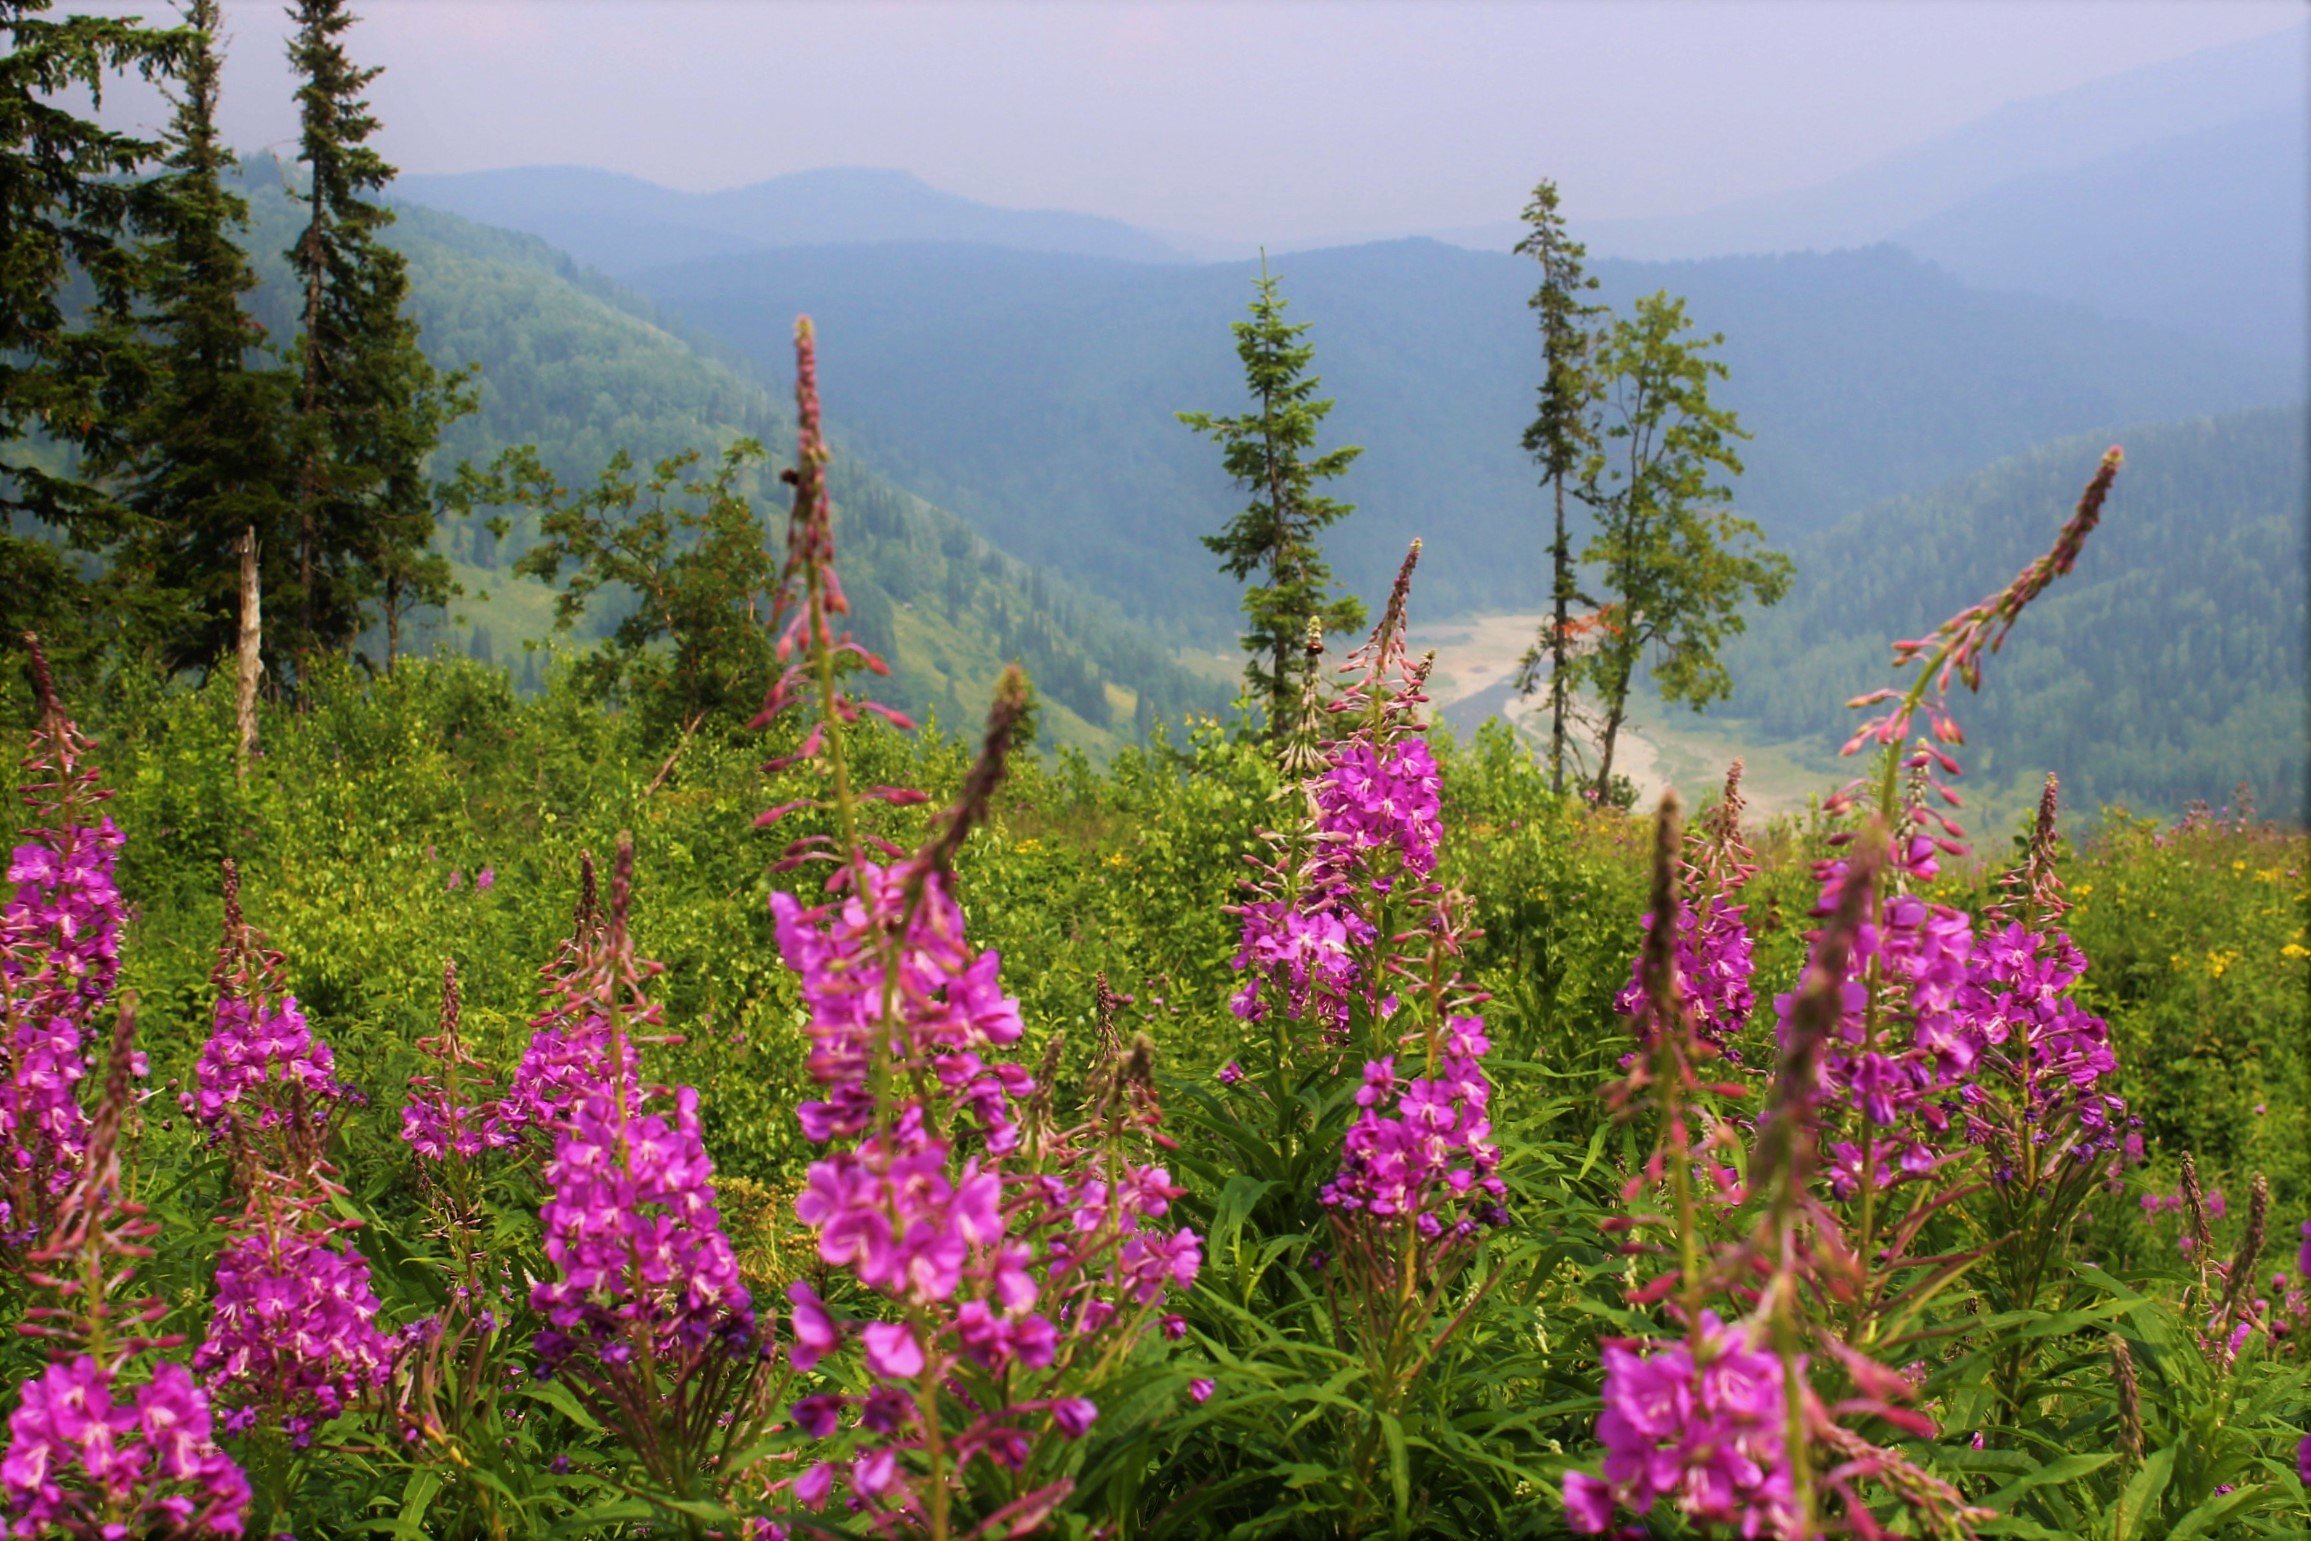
314	255
1613	719
1561	562
1605	752
251	653
1280	646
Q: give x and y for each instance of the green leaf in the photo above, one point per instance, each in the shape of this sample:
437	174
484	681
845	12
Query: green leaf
2142	1493
2198	1521
2067	1468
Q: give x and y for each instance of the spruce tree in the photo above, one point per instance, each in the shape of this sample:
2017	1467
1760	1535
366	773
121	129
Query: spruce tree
370	408
208	461
1560	435
70	357
1270	452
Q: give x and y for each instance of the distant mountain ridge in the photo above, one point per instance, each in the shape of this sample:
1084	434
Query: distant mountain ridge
621	224
2183	232
1033	393
2171	194
2052	133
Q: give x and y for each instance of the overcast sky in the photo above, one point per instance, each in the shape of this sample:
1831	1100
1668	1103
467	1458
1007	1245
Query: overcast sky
1281	120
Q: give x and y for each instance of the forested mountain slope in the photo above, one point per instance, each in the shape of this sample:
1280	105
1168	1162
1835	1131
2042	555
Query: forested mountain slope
578	368
2169	665
1033	393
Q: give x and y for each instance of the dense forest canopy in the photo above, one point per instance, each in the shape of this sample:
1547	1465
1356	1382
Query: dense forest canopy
2169	666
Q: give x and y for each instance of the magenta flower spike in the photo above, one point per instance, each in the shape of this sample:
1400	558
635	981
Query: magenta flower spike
450	1113
83	1461
1008	1255
293	1339
1713	950
569	1053
1699	1423
635	1239
91	1451
642	1268
59	958
265	1081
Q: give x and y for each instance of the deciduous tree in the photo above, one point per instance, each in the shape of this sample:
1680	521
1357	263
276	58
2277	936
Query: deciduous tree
689	547
1677	566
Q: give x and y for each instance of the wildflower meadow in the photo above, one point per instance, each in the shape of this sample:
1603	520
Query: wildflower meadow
470	1123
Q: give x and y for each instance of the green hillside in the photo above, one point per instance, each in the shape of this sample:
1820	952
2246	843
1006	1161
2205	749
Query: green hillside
1033	393
580	369
2169	665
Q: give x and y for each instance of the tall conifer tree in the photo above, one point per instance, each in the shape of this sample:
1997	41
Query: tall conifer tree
208	462
370	407
1270	453
1560	435
68	363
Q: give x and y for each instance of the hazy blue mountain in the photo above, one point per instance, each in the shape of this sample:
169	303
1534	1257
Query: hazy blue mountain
2168	665
620	223
583	369
2056	132
1033	393
2208	233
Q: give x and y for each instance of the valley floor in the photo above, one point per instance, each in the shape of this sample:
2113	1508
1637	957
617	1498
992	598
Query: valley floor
1660	747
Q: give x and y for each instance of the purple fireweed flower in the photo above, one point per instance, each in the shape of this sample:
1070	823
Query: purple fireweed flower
2035	1039
452	1113
258	1046
570	1048
1714	966
78	1461
1419	1146
81	1462
1372	827
1710	956
988	1251
1700	1423
263	1070
293	1339
1380	804
909	1213
949	1010
561	1066
60	931
635	1238
1926	1049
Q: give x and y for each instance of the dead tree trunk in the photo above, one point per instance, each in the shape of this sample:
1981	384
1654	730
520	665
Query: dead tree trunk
252	653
